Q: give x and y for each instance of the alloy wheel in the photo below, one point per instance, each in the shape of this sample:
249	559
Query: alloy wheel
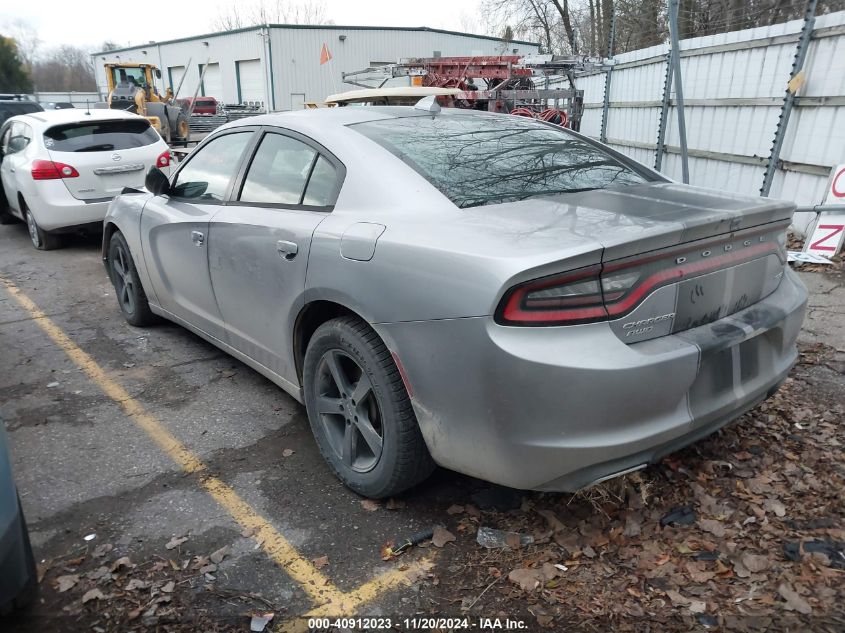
349	411
123	284
33	230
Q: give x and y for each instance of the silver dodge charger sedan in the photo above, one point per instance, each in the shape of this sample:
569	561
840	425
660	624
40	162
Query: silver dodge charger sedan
493	294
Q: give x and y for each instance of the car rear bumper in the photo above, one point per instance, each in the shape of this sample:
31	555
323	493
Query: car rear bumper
54	208
560	408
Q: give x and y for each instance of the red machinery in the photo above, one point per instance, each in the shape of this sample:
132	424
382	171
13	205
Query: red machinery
510	83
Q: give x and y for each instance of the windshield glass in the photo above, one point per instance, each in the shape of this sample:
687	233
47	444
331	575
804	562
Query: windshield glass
100	136
136	76
478	159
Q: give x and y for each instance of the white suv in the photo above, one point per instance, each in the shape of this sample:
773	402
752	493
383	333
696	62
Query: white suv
61	168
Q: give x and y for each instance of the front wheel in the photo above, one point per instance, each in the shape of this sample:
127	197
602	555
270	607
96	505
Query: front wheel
127	285
359	411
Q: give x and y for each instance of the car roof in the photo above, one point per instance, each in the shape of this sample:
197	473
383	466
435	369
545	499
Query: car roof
74	115
337	116
394	91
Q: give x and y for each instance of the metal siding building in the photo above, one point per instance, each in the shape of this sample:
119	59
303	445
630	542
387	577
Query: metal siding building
238	59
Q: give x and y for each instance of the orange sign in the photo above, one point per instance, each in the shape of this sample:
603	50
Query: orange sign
325	55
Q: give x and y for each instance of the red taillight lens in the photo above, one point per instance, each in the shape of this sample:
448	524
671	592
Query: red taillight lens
163	159
571	298
49	170
613	289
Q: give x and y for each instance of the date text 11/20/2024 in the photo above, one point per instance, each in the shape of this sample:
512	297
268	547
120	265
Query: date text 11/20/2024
420	623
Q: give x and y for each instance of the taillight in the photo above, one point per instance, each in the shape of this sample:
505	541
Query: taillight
570	298
163	159
614	289
50	170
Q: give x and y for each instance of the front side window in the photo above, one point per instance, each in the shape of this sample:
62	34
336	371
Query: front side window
279	171
207	175
479	159
100	136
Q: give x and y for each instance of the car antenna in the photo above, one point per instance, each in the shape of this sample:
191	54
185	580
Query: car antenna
87	107
429	104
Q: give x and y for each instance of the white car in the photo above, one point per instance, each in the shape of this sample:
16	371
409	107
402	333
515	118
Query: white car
61	168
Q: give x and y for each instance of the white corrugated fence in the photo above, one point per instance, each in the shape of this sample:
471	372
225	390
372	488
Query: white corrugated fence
734	86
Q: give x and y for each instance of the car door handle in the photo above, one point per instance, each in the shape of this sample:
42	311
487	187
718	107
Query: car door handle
197	238
287	250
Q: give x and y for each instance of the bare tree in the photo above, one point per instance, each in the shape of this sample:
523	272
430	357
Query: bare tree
64	69
271	12
583	26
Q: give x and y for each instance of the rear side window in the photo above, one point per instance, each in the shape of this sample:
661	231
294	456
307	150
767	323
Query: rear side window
477	159
321	185
100	136
280	170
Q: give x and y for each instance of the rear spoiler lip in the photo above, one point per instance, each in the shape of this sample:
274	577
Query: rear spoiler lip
685	247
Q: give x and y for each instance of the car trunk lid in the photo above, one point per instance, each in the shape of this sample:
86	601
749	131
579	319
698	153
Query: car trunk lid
672	257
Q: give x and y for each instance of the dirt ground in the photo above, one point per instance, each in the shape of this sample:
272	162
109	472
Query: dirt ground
741	531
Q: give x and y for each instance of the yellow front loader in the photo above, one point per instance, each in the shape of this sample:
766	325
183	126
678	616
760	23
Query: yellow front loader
132	88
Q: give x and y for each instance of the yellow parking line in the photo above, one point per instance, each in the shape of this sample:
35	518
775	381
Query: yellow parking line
318	587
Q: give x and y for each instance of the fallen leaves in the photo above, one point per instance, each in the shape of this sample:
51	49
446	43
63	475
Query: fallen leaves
66	582
369	505
695	606
288	452
442	536
92	594
175	542
320	562
755	563
793	601
218	555
121	563
711	526
530	579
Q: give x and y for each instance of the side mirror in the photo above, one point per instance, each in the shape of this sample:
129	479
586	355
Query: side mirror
156	182
158	74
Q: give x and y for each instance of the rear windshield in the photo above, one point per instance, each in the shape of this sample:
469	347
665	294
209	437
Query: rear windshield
478	159
100	136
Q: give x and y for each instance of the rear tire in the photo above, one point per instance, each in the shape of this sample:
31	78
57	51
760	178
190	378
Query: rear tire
41	239
131	297
26	596
360	412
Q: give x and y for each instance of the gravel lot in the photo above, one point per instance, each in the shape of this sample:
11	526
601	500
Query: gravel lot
742	531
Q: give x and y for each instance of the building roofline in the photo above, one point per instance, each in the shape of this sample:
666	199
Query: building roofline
315	26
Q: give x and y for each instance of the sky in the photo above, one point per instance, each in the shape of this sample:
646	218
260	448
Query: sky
88	23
